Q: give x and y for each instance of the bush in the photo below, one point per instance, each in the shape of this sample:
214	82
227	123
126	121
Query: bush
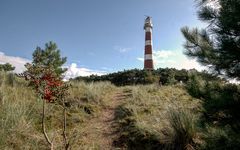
221	139
195	86
221	103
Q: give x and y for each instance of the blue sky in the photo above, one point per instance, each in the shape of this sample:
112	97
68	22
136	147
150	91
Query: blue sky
97	35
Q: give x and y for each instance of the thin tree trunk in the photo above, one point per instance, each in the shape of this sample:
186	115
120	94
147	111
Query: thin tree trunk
43	126
66	144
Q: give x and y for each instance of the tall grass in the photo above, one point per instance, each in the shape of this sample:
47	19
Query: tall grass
184	130
17	115
20	114
151	117
155	120
90	97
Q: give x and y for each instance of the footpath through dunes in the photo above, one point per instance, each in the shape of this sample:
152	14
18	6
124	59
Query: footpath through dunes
101	131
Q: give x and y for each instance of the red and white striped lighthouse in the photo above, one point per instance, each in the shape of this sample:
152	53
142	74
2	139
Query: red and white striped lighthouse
148	61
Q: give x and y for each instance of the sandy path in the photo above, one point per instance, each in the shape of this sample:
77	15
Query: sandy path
102	129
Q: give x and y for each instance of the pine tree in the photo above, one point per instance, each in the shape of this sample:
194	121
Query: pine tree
45	75
48	58
217	46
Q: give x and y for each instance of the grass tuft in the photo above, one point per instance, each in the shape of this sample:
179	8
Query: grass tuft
184	130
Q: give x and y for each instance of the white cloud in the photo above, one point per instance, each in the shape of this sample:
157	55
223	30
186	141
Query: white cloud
75	71
162	54
17	62
187	63
161	57
173	59
140	59
122	49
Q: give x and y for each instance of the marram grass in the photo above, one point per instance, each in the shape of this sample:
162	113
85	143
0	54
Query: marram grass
146	118
20	114
155	117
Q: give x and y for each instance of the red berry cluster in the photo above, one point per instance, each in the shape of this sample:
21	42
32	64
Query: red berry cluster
48	86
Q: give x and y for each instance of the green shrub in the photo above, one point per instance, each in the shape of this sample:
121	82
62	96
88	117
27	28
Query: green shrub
195	86
221	139
221	103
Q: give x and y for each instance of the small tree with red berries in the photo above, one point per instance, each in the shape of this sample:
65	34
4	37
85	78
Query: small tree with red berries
45	75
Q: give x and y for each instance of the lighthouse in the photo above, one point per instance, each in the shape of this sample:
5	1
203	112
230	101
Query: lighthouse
148	61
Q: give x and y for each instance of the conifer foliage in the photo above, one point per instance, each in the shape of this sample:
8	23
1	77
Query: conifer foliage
49	58
217	46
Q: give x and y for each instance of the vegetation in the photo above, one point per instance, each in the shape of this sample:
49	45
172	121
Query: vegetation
45	75
48	58
221	112
147	105
133	109
162	76
21	110
218	46
6	67
146	116
154	117
126	77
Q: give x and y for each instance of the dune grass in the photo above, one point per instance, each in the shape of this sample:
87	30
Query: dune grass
20	114
156	117
150	117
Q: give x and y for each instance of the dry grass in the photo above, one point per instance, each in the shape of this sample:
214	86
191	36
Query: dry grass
18	107
20	114
145	115
151	119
